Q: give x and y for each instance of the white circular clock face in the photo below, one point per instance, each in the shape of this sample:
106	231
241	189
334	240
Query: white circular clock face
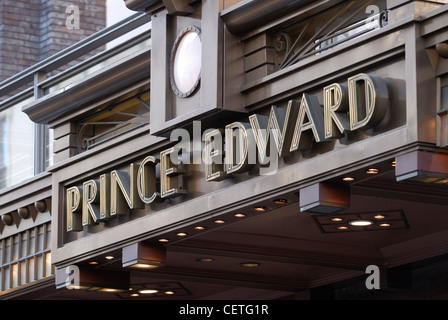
186	62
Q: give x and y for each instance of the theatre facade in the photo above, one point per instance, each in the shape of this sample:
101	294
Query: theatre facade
242	150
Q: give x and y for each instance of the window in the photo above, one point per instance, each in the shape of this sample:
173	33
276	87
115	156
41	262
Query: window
442	112
326	30
25	257
115	120
117	11
445	97
26	147
16	147
21	142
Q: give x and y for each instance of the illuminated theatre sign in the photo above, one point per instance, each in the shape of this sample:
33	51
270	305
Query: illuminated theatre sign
361	104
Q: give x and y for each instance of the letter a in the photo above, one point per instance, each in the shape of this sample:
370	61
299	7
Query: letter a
72	21
373	281
310	124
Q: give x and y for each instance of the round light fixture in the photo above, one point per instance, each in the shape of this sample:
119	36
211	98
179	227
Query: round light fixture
343	228
379	217
373	171
240	215
385	225
260	209
348	179
148	291
200	228
360	223
164	240
337	219
220	221
109	257
186	62
182	234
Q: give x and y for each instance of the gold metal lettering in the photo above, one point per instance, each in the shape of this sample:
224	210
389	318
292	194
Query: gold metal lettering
337	122
310	124
368	99
213	156
73	202
104	197
123	191
238	140
147	181
278	127
170	176
90	207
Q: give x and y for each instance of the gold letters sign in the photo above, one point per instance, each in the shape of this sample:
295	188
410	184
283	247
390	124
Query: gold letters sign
362	103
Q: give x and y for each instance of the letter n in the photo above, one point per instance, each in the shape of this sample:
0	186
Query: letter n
123	192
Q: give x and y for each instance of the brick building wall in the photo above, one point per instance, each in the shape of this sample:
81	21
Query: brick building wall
32	30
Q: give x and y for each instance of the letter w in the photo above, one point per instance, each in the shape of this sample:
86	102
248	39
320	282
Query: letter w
278	124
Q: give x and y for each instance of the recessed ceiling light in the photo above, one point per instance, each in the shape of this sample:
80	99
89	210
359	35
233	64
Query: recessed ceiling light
109	257
182	234
135	295
343	228
93	262
200	228
250	264
372	171
109	290
164	240
348	179
260	209
337	219
148	291
144	266
280	201
379	217
385	225
394	163
240	215
220	221
361	223
169	292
